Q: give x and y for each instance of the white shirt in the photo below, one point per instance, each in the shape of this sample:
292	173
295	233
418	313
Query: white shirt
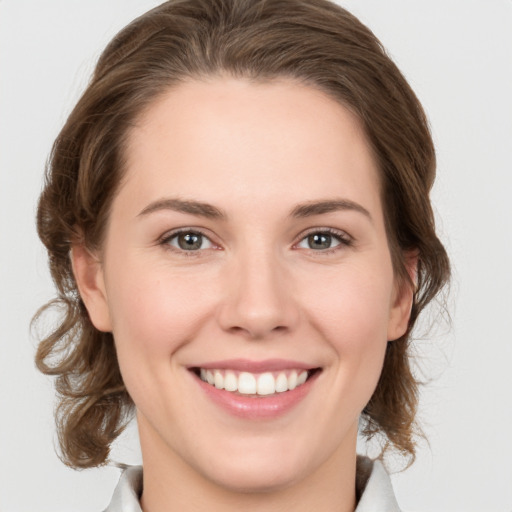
373	488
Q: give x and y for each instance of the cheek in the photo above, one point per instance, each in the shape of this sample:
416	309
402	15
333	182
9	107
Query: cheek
353	309
352	314
155	312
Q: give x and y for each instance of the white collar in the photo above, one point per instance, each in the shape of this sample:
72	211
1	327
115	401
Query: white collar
373	488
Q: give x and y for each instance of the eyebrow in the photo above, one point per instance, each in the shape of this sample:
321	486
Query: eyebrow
328	206
183	206
212	212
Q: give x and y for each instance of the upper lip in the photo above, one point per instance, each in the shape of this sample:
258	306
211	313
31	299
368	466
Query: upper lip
247	365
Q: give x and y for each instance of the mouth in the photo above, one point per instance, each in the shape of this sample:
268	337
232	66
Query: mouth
256	390
255	384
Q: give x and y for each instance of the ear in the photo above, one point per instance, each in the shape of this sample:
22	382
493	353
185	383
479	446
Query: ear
403	298
88	273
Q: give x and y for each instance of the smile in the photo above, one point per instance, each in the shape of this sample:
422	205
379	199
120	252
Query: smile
246	383
256	390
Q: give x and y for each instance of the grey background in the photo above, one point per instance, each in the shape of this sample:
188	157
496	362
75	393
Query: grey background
457	55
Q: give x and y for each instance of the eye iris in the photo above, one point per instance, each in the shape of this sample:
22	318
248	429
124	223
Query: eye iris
319	241
190	241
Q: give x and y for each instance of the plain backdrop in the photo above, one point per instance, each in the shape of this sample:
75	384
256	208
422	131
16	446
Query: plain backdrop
457	55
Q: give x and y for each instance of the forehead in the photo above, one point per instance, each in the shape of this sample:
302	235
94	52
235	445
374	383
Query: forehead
227	137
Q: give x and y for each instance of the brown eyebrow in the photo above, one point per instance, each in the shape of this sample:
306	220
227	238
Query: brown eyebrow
327	206
211	212
184	206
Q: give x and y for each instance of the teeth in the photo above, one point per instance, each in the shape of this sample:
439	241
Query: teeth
246	383
282	383
292	380
218	380
230	382
266	384
302	378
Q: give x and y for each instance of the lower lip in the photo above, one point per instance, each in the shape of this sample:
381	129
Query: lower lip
257	407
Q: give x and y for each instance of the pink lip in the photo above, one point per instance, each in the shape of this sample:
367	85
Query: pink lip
246	365
257	407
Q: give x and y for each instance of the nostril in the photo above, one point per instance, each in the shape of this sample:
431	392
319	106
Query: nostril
257	331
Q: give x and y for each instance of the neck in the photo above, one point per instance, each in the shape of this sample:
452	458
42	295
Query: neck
169	481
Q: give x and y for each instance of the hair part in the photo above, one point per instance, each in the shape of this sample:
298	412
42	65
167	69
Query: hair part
312	41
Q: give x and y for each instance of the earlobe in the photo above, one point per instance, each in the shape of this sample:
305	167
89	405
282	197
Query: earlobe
403	299
88	273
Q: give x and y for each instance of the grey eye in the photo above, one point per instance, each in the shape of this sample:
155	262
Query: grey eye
319	241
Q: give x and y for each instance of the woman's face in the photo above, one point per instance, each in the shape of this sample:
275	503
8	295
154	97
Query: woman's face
247	246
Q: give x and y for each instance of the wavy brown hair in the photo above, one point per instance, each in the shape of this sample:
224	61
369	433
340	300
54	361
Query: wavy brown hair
312	41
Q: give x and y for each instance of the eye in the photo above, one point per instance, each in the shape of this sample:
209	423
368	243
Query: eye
188	241
323	240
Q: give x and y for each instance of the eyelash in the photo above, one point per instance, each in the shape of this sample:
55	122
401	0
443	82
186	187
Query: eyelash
340	236
165	241
343	238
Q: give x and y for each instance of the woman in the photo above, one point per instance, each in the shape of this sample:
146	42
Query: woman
238	221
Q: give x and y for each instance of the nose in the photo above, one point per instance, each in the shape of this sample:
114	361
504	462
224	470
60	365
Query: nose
259	297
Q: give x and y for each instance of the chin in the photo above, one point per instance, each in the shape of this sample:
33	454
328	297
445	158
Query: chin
260	463
255	475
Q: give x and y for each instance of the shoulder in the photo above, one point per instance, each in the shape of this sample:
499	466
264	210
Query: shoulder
127	493
373	487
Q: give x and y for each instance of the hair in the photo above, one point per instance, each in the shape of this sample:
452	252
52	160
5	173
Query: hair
313	41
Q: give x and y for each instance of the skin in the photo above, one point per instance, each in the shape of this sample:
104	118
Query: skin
256	289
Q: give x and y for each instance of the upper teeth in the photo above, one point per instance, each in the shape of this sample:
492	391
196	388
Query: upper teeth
251	384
